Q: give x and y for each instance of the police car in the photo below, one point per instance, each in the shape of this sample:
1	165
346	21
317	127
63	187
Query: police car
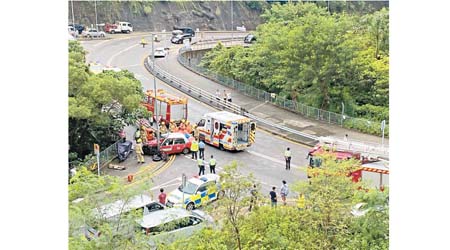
197	192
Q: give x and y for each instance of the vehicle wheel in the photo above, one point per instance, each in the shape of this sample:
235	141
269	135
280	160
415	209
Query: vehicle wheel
190	206
220	194
102	35
128	31
221	147
186	151
113	32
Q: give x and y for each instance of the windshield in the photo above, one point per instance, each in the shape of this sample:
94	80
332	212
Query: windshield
190	188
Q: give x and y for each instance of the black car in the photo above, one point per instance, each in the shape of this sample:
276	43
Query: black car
78	27
184	30
249	38
179	39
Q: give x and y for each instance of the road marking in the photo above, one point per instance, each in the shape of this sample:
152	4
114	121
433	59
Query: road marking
129	66
161	186
282	138
165	184
283	163
120	52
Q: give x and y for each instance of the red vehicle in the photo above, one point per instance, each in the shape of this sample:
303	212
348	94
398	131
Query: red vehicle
369	168
169	107
174	143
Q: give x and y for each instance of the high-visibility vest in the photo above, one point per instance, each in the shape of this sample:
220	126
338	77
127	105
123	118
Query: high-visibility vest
194	146
301	201
200	162
287	153
212	162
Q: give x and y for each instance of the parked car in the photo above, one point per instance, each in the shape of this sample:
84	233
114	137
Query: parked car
118	209
179	39
160	52
197	192
250	38
78	27
169	225
93	33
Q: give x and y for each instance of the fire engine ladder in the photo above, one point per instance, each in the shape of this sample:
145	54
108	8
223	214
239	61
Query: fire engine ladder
369	151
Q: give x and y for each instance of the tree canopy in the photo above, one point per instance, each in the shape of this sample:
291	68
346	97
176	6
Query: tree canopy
320	59
100	105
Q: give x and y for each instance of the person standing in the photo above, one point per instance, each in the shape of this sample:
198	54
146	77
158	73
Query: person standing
218	95
254	195
287	157
139	151
162	196
284	192
229	96
201	149
212	165
194	148
137	135
201	166
224	95
301	202
195	131
273	197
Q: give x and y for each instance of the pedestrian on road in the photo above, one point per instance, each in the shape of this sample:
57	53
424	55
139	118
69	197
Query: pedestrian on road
201	149
201	166
346	137
224	95
284	192
287	157
254	194
273	197
212	165
194	148
229	96
162	196
139	152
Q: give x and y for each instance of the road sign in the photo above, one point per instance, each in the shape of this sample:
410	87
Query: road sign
96	149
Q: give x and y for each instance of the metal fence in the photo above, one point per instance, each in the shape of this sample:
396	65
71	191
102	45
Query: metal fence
106	156
261	95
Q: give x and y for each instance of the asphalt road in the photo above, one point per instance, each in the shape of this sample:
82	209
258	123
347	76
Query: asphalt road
264	159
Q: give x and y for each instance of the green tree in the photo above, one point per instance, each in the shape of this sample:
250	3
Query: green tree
100	105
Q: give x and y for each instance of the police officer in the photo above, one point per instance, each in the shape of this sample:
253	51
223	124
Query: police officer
287	157
201	166
212	165
194	148
139	151
201	149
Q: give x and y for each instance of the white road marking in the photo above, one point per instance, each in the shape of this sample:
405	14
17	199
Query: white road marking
161	186
129	66
167	182
283	163
120	52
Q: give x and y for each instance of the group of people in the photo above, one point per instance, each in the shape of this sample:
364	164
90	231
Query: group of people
199	148
226	96
184	127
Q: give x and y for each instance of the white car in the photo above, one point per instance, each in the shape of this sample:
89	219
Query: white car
198	191
168	225
93	33
160	52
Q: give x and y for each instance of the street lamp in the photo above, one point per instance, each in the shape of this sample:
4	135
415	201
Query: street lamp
73	18
96	22
343	116
154	87
232	22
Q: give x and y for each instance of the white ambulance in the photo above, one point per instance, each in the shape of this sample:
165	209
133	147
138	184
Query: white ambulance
226	130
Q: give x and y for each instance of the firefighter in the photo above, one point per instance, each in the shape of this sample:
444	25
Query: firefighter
188	127
137	135
194	149
201	166
139	151
195	133
172	127
163	128
143	134
182	126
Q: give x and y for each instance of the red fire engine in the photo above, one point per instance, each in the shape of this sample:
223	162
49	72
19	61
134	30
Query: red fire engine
169	107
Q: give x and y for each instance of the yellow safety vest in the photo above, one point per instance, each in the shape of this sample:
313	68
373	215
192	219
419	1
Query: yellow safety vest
212	162
287	153
200	162
194	146
301	201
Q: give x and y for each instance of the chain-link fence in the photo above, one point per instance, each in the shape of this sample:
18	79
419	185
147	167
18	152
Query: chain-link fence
106	156
261	95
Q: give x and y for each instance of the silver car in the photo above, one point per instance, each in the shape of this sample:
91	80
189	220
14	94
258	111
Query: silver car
168	225
93	33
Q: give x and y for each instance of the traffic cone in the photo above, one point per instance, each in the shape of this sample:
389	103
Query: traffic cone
130	178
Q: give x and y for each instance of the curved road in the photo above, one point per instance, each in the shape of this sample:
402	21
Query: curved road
264	159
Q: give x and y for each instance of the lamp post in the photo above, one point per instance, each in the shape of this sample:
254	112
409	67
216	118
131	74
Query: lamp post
154	88
73	18
96	22
343	116
232	36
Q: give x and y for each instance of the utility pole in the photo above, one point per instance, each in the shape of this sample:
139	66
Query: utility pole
232	23
154	88
343	116
96	22
73	18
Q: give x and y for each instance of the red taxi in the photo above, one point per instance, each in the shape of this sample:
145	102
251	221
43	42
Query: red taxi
174	143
